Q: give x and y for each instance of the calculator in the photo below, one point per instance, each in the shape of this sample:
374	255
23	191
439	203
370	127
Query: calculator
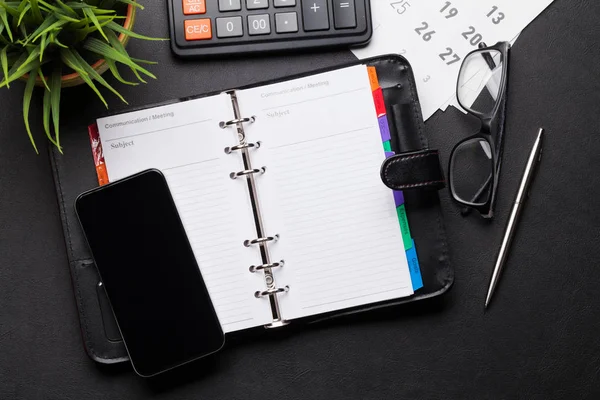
201	28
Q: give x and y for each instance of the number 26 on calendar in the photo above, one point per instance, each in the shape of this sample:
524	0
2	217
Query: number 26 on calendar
421	31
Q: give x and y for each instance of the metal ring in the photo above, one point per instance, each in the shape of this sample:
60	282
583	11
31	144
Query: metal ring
248	243
225	124
229	150
235	175
258	294
256	268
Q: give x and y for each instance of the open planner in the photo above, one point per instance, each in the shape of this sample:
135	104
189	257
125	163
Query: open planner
304	199
278	188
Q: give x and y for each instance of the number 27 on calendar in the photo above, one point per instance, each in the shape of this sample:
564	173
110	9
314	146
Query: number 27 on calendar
448	10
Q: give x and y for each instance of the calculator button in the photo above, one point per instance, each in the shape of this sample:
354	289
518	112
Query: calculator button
230	5
284	3
191	7
229	27
286	22
198	29
259	24
315	15
344	14
257	4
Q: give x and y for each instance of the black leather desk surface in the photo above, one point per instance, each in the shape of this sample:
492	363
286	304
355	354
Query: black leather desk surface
539	340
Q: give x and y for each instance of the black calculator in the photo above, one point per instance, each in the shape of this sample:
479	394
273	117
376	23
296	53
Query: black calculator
201	28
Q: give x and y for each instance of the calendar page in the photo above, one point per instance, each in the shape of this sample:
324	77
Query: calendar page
436	35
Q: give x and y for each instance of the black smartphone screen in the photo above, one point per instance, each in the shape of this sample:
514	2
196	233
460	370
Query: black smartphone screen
149	272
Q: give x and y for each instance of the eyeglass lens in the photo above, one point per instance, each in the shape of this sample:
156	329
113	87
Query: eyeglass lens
471	174
479	81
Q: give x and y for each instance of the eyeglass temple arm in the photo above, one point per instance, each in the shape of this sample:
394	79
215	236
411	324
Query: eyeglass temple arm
467	210
486	56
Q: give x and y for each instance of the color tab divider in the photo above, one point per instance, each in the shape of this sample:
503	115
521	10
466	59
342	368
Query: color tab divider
384	129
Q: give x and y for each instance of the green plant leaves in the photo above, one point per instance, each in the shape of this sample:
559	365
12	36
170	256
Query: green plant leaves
35	10
5	23
115	71
96	46
67	8
90	14
43	44
38	36
4	63
55	91
119	28
43	78
67	56
30	59
55	25
96	76
132	3
26	104
23	12
19	69
48	108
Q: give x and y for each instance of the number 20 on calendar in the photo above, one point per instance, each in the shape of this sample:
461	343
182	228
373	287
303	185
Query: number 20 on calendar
449	11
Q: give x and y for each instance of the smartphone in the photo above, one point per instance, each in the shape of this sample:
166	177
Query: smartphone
149	272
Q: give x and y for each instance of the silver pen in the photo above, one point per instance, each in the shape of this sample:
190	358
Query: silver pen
530	168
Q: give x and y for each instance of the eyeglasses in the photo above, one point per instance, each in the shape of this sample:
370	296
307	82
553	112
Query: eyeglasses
475	161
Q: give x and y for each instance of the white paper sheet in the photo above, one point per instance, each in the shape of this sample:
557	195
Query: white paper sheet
435	36
340	235
185	142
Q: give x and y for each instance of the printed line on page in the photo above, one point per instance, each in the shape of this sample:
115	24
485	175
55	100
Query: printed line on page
323	137
184	165
315	99
159	130
349	298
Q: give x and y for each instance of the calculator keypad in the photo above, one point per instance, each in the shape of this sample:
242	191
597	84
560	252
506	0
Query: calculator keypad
230	5
284	3
218	27
286	22
344	14
259	24
191	7
198	29
316	16
229	27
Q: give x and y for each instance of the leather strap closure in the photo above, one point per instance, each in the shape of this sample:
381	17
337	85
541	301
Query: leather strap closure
413	170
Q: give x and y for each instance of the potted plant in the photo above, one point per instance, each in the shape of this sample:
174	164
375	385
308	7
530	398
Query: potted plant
56	44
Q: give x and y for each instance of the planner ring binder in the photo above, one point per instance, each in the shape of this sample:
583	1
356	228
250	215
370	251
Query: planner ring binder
256	268
225	124
262	240
235	175
229	150
248	243
271	292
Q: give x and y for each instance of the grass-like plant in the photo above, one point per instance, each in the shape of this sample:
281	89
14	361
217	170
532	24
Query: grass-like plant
43	40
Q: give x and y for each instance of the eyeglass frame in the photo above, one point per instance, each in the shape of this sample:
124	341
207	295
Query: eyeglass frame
485	132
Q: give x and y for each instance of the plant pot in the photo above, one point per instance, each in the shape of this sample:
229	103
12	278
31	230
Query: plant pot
74	79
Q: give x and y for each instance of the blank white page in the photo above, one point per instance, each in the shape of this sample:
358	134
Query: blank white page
185	142
322	192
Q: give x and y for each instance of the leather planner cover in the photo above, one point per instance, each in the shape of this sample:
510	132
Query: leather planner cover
74	172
